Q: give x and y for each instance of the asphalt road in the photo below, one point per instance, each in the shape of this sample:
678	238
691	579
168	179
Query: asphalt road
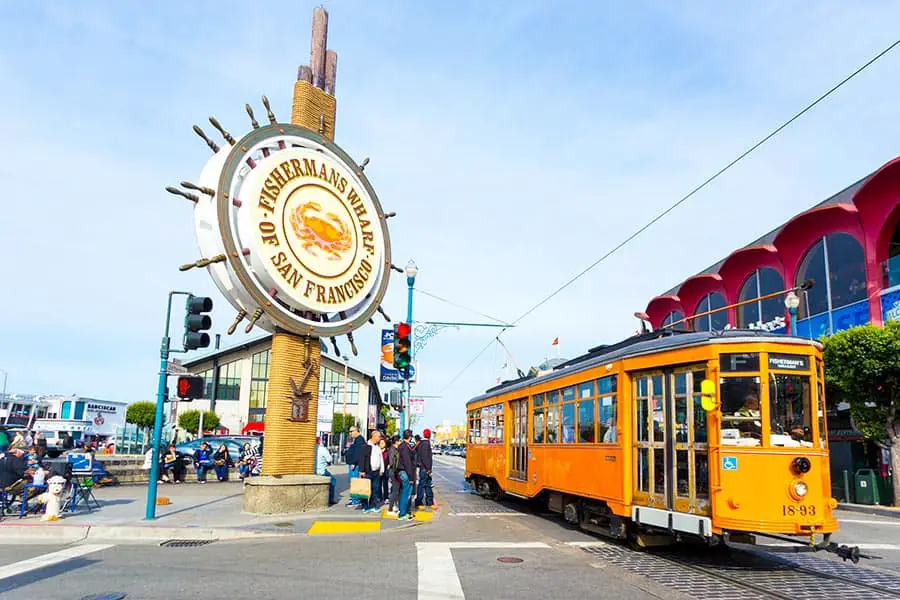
453	557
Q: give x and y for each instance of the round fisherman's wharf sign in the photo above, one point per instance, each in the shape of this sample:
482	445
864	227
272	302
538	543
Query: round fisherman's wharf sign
303	236
314	233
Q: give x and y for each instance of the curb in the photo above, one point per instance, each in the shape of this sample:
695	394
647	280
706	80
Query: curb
43	533
873	510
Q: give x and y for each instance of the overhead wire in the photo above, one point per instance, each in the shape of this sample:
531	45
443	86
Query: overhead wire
683	199
451	303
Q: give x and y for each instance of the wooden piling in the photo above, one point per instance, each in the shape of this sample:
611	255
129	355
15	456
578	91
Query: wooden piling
317	48
330	71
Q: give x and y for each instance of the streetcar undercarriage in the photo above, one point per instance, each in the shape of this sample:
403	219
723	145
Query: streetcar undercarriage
595	516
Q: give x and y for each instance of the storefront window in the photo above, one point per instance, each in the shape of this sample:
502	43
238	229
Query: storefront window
229	387
837	301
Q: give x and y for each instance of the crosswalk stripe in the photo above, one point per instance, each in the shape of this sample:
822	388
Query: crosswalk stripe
438	579
46	560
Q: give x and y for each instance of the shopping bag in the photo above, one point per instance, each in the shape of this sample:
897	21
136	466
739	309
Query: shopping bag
360	488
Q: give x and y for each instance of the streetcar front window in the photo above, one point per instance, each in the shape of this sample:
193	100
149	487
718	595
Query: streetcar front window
741	418
790	410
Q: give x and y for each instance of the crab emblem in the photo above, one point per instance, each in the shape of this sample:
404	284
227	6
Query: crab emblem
328	232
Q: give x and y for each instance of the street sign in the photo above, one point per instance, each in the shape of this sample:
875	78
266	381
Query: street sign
173	367
417	406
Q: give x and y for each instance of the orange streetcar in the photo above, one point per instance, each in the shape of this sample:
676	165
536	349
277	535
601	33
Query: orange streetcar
715	435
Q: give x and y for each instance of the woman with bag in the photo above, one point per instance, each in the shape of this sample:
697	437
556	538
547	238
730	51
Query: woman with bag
222	462
203	461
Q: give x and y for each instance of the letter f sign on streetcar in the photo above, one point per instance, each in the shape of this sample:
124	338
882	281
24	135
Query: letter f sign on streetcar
402	347
195	322
190	387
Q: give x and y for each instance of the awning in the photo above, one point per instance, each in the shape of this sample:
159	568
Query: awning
257	426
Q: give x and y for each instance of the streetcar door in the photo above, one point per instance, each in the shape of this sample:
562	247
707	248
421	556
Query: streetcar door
686	442
650	463
518	447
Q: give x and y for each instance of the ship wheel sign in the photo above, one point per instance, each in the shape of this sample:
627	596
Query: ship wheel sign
291	231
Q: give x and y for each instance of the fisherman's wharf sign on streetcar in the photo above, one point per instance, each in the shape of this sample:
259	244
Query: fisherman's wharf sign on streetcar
301	233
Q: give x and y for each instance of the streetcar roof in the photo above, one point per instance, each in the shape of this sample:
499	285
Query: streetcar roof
648	343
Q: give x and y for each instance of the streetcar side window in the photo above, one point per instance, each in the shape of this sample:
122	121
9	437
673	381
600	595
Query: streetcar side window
552	435
741	420
586	422
606	389
567	420
538	419
790	409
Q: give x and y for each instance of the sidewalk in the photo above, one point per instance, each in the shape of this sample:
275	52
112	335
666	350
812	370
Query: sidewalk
211	511
870	509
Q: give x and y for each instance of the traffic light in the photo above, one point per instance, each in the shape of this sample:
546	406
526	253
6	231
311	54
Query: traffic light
190	387
195	322
402	346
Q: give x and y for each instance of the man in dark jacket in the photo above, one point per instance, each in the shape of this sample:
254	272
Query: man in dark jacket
13	469
425	493
354	453
407	475
371	467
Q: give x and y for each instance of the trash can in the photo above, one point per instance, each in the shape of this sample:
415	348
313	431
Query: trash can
866	488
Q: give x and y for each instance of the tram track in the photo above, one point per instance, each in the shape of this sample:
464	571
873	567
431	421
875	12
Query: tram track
747	574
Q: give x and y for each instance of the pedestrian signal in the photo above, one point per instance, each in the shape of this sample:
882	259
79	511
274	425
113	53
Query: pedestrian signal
402	347
190	387
195	322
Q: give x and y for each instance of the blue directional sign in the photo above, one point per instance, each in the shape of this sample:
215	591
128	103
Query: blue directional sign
729	463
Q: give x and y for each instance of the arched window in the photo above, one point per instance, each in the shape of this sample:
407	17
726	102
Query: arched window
892	266
714	322
673	317
838	266
763	313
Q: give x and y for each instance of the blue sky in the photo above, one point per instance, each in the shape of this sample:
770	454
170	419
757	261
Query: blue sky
518	142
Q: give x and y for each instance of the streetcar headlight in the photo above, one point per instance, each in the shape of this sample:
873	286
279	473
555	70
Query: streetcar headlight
798	489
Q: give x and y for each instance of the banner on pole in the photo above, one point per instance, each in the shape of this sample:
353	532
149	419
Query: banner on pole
388	372
326	411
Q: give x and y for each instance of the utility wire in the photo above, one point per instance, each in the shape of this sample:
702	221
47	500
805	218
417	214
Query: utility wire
683	199
708	181
471	310
471	362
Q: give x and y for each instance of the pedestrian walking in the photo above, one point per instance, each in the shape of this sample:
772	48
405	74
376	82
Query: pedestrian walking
371	467
425	493
407	475
385	479
357	444
393	470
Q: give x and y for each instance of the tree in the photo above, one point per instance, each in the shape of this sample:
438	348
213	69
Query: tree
341	423
390	424
190	420
142	414
863	365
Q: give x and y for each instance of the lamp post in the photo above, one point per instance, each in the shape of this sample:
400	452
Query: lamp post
411	271
5	375
791	302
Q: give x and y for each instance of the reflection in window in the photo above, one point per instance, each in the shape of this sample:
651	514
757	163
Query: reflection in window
837	259
741	420
586	421
766	314
568	422
700	424
715	321
538	426
659	423
552	424
790	410
608	419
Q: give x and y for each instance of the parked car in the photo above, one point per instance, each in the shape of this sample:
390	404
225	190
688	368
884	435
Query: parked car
234	443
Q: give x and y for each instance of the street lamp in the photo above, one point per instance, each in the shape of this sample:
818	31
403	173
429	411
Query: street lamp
411	271
791	302
5	375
